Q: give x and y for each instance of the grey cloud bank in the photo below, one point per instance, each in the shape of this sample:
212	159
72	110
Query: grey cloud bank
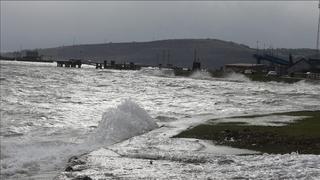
35	24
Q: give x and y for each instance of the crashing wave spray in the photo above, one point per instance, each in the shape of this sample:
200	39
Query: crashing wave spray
123	122
201	75
237	77
117	124
163	72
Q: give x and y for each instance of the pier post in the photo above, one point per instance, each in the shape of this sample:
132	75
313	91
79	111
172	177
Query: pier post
113	63
196	66
98	65
132	67
105	64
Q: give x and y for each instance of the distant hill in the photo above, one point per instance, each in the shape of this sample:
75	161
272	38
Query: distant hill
213	53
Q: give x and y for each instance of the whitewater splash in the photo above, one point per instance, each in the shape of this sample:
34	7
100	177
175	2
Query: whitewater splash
117	124
205	75
123	122
237	77
163	72
156	155
48	113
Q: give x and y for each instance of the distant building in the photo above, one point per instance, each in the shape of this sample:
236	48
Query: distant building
274	63
305	65
32	55
243	68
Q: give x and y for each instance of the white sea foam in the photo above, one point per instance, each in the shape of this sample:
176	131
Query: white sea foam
287	166
48	113
270	120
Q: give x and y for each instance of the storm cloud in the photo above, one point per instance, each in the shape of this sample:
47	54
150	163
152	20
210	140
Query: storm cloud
42	24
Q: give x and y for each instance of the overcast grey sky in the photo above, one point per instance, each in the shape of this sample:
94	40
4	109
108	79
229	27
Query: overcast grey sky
41	24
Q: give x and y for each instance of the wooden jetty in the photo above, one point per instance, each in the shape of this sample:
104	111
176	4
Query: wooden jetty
105	65
71	63
113	65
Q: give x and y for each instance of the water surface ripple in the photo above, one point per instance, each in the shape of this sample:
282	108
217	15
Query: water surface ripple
46	110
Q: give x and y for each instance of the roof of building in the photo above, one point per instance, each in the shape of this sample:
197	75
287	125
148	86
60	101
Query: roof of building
312	62
271	58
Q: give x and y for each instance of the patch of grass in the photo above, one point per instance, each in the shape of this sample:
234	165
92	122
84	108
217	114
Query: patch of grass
302	136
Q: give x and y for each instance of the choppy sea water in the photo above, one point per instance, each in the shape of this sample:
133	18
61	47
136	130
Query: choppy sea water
49	113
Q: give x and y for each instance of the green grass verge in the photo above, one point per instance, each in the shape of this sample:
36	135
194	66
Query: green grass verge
303	136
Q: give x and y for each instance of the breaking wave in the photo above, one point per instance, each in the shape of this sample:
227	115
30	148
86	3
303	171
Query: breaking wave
117	124
307	83
164	72
237	77
123	122
201	75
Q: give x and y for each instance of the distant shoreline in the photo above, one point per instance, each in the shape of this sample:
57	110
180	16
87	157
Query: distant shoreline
26	60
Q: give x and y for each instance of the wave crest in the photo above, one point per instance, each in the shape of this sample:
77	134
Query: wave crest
201	75
163	72
123	122
237	77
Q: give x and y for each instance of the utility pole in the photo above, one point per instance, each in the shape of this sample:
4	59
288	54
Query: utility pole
158	59
195	55
164	57
168	57
318	31
20	53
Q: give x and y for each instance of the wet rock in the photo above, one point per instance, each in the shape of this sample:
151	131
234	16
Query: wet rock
74	160
76	168
68	169
242	178
108	174
75	164
165	118
225	161
82	178
198	160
